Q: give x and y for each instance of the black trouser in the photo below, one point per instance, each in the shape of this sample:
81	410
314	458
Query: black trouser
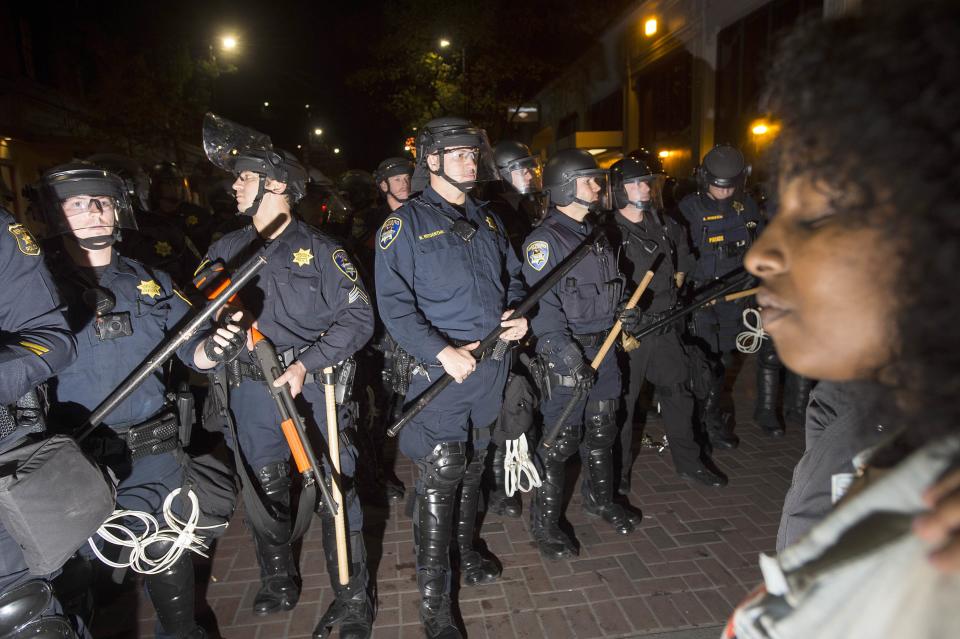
661	360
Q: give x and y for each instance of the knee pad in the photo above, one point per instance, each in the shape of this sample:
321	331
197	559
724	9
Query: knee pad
601	423
563	447
444	468
275	480
22	613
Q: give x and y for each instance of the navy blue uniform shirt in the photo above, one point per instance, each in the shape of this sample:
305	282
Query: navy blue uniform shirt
720	232
309	295
432	286
155	309
586	299
35	339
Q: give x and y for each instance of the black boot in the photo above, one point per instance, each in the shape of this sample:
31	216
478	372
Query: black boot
499	502
474	567
796	396
597	493
279	581
353	609
548	501
765	413
441	473
714	423
171	592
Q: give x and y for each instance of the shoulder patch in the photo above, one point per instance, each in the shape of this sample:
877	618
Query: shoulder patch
538	253
25	241
342	260
389	231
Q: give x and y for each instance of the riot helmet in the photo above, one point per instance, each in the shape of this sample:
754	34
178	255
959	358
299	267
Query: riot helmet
635	182
359	188
132	174
517	167
561	176
167	184
85	202
648	157
462	152
394	168
724	168
236	149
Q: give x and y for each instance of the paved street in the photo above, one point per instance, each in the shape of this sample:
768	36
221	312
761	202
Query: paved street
678	577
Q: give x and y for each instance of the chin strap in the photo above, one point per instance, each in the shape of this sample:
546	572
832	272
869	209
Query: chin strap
96	242
464	187
251	210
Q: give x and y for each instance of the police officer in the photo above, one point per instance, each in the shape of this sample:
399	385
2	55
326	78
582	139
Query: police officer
121	311
446	277
570	325
723	222
35	343
393	177
518	198
169	199
649	240
309	302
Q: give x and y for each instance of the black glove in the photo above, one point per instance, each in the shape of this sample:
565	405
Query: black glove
226	342
584	374
629	318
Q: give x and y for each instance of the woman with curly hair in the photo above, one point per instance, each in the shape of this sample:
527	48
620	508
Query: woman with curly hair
857	270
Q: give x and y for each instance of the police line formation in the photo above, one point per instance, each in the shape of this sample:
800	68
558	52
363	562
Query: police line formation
339	330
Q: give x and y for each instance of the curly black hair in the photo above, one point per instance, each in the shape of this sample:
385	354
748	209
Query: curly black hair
869	104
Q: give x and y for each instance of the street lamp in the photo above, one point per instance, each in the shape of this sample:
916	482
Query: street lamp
228	42
336	150
318	132
650	27
444	43
306	106
265	103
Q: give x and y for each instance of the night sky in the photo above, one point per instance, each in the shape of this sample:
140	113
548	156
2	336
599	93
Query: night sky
297	52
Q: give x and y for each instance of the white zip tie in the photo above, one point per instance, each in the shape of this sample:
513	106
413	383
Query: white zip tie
181	533
519	467
749	340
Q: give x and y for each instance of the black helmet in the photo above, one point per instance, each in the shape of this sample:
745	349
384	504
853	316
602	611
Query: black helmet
448	133
518	167
358	187
130	171
632	170
649	157
392	167
723	166
76	179
561	173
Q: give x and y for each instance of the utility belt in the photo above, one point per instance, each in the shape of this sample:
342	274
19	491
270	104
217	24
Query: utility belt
155	436
590	340
344	372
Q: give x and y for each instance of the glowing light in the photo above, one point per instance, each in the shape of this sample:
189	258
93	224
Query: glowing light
266	104
760	129
318	132
228	42
406	147
595	151
444	43
336	151
650	27
663	154
299	146
306	106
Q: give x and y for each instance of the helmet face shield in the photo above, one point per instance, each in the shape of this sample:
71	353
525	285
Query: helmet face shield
591	188
723	174
524	175
84	201
225	142
646	193
460	152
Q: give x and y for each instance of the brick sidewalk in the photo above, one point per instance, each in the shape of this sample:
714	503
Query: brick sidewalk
692	560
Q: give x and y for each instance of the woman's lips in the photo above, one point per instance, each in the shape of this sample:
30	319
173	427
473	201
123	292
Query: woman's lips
771	308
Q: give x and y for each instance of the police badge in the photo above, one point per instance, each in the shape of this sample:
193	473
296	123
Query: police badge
538	253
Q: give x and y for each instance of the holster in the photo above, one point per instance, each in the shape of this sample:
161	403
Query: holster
540	376
183	403
159	434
